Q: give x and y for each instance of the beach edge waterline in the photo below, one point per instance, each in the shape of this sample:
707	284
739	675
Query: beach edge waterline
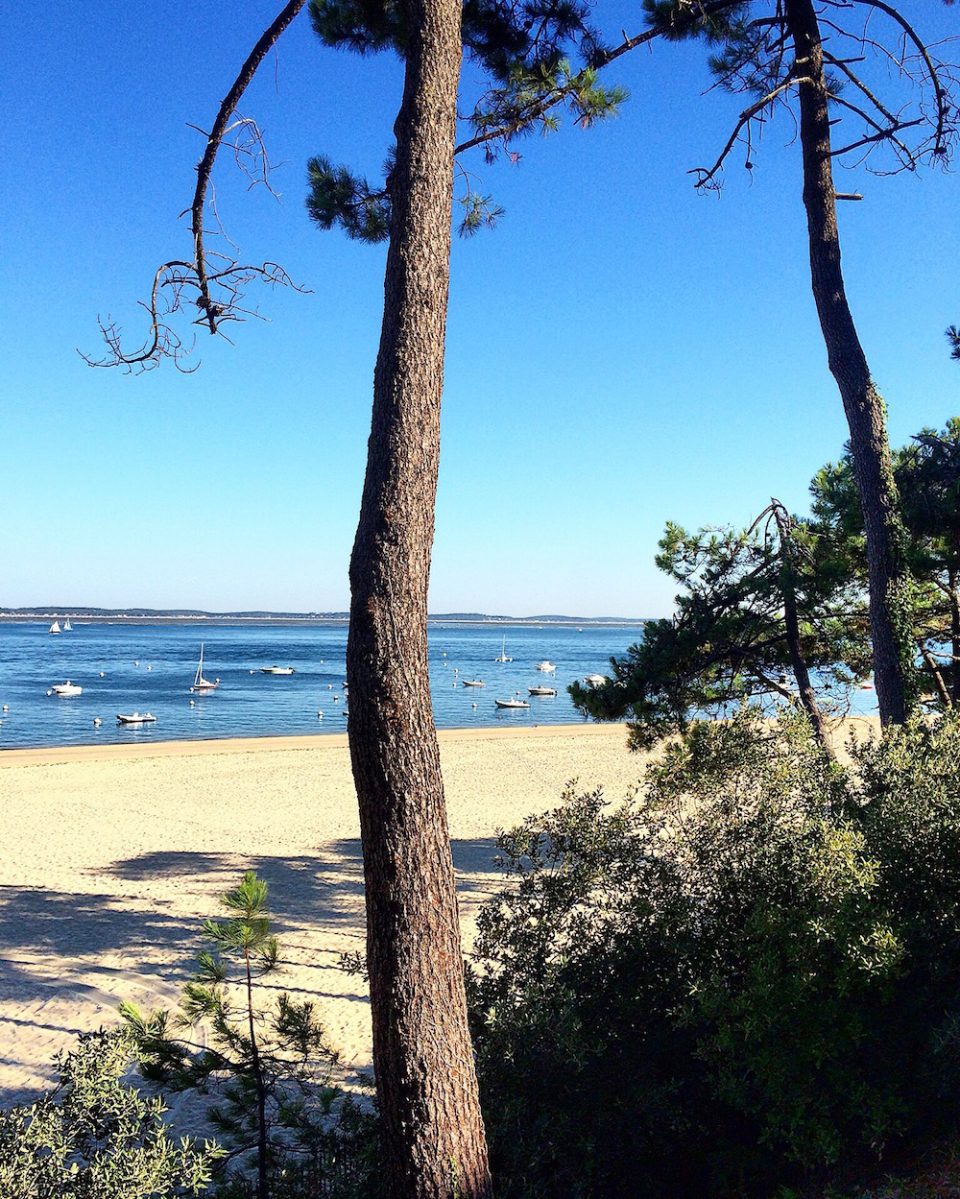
40	755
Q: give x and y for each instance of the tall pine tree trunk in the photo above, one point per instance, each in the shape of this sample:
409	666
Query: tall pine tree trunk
866	418
435	1146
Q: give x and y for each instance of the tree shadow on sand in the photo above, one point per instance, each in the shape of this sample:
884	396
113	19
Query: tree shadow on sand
67	958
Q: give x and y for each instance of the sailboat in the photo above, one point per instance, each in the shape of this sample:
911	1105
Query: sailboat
503	653
67	626
55	627
199	682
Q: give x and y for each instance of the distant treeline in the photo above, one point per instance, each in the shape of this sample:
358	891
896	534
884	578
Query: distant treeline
51	610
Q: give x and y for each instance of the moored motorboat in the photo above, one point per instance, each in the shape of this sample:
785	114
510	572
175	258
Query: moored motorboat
542	690
546	666
595	680
473	682
135	718
66	689
511	703
277	670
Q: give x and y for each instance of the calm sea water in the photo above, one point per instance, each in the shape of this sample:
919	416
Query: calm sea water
126	667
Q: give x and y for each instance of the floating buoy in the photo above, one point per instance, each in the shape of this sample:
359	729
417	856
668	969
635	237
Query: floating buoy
97	722
6	707
49	693
137	663
336	699
192	704
149	668
101	674
473	705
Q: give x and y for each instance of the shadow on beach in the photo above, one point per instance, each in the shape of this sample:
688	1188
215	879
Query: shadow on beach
67	959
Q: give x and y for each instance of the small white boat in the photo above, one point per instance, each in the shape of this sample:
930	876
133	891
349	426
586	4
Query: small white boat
546	667
511	703
503	653
473	682
55	627
66	689
541	690
277	670
67	626
595	680
135	718
200	684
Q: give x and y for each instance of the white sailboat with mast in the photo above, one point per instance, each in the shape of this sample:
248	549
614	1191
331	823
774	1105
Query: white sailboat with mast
200	684
503	652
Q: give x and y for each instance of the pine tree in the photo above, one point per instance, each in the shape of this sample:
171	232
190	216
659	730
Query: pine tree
771	52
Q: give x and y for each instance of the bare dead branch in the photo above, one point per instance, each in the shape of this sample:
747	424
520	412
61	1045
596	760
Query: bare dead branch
227	108
215	293
706	176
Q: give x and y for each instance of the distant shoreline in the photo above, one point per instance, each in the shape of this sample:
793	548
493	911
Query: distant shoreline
36	617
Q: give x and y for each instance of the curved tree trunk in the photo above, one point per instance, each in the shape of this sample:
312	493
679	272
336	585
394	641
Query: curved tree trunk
435	1146
866	417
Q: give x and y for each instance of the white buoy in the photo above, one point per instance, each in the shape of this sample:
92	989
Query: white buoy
473	705
101	674
6	707
137	663
192	703
49	693
319	716
149	668
97	722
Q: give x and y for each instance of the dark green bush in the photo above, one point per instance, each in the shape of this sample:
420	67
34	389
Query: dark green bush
744	977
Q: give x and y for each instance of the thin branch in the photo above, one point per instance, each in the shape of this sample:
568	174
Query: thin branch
227	109
943	108
706	175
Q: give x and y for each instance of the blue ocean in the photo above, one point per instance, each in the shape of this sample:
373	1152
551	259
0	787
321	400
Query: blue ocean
125	667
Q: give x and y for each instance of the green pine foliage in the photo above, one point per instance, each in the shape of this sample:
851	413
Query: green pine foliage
337	197
94	1137
741	979
727	641
534	58
927	476
269	1071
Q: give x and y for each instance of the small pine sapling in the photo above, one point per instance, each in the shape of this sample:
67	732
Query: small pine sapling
270	1069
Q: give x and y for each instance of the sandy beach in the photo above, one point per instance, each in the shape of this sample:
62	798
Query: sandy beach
113	856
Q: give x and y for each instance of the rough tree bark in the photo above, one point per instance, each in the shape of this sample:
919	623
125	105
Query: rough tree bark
888	577
435	1146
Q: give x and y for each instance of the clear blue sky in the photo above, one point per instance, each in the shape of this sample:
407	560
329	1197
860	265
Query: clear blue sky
621	350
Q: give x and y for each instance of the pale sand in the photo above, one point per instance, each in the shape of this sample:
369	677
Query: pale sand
112	856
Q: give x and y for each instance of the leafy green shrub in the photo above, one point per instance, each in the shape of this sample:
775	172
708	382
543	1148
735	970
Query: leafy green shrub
745	976
93	1137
